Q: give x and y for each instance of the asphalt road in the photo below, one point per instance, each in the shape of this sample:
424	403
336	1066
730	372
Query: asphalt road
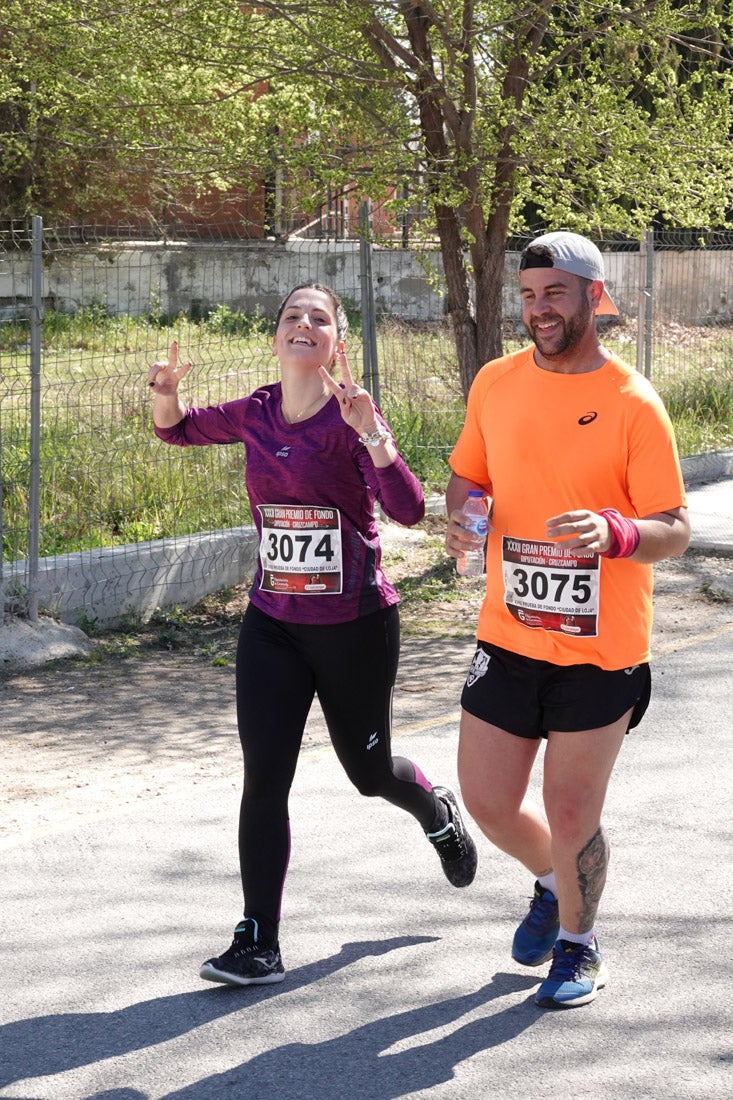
397	984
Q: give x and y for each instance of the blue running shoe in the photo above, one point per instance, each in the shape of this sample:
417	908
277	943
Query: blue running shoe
576	974
536	935
246	962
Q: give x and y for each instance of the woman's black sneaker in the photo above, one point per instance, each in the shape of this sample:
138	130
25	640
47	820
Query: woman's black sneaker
247	962
453	844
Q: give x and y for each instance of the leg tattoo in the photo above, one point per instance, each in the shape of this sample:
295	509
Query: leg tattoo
592	864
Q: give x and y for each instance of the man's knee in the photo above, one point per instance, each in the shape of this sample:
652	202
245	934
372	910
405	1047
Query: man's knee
573	816
488	806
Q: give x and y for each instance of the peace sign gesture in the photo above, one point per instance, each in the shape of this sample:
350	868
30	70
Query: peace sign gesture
165	376
355	403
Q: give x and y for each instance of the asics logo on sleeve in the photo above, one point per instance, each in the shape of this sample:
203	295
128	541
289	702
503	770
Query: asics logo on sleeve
588	418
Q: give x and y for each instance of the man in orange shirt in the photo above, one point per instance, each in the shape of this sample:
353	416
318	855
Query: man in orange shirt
578	455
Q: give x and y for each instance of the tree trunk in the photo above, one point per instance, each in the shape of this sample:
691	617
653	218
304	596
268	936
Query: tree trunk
489	251
458	291
489	280
448	136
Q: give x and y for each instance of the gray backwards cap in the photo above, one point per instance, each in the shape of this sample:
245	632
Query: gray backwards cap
572	253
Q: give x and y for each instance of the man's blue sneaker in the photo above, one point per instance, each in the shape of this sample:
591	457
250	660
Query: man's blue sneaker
576	975
247	961
536	935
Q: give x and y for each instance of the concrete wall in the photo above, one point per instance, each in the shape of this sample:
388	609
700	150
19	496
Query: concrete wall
103	585
689	287
184	277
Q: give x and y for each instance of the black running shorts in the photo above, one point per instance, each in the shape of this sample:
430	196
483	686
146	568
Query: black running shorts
529	698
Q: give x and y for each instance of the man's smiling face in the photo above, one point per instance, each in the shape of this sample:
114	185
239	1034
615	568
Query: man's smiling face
557	309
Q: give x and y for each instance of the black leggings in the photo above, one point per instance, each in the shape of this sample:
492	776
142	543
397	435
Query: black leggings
280	667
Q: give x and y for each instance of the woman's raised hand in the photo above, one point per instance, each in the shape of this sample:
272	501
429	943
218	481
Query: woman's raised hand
164	377
355	403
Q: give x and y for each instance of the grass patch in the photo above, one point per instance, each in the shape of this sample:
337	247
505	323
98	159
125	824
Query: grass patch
715	595
106	480
702	412
209	630
436	582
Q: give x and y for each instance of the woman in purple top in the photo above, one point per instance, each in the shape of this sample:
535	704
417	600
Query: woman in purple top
322	617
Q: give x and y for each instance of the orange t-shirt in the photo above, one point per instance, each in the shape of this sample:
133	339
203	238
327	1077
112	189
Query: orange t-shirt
542	444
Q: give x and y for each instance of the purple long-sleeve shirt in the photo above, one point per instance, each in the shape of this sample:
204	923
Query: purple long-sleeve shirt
312	488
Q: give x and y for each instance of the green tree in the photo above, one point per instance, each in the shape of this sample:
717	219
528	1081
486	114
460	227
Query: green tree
602	116
588	115
110	105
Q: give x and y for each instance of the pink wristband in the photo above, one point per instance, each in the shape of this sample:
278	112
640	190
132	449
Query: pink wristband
625	534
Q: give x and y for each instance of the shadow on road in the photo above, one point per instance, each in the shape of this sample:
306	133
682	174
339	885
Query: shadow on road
357	1064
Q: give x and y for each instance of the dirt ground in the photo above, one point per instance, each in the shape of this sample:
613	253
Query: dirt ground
152	710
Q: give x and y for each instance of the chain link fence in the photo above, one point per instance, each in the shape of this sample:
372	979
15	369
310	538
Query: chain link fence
99	518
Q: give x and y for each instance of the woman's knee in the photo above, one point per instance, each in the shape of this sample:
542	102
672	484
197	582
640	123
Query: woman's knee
265	790
370	786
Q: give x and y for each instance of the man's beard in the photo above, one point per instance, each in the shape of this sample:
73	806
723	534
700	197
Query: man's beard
573	331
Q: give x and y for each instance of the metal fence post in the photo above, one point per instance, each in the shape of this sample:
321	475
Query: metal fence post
34	495
368	310
2	536
644	340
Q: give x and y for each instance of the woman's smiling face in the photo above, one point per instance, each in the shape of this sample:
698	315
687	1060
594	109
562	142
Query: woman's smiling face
307	329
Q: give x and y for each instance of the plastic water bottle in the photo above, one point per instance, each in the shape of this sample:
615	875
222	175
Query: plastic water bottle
476	513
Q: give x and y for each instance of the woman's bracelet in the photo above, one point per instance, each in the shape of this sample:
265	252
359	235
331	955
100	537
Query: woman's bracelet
373	439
